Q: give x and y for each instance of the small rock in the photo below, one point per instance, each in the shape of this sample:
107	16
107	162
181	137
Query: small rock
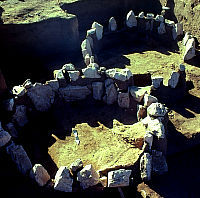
63	180
111	94
146	166
20	115
189	49
76	165
157	81
119	178
156	110
91	72
131	20
39	174
4	138
18	90
123	100
139	92
74	75
149	99
112	24
98	89
99	30
88	177
174	78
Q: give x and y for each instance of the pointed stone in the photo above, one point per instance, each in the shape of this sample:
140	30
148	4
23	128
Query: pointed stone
112	24
99	30
131	20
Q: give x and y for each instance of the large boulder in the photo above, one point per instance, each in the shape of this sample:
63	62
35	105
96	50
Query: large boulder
88	177
189	50
73	93
119	178
123	100
98	89
146	166
131	20
112	24
20	158
63	180
156	110
91	72
20	116
42	96
99	30
39	174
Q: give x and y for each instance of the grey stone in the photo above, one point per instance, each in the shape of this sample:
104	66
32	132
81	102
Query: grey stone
74	75
88	177
86	48
156	110
111	94
18	90
169	22
174	79
11	129
99	30
91	72
189	50
20	158
186	38
161	29
54	84
94	65
63	180
108	82
131	20
98	89
141	15
150	16
174	32
146	166
182	67
160	18
121	74
42	96
87	59
112	24
179	29
76	165
139	92
149	99
68	67
119	178
73	93
20	116
4	138
91	33
157	81
148	138
123	100
39	174
91	59
90	41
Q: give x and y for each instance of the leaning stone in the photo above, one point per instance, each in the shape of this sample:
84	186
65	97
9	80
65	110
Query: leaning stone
42	96
123	100
20	115
54	84
174	78
91	72
186	38
63	180
112	24
157	81
161	29
20	158
160	18
74	93
88	177
156	110
68	67
149	99
85	45
139	92
119	178
98	89
99	30
18	90
39	174
131	20
146	166
87	59
141	15
76	165
189	50
111	94
159	163
141	112
157	128
11	129
74	75
4	138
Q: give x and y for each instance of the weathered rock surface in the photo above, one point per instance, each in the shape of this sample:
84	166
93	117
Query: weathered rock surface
63	180
149	99
73	93
20	158
131	20
98	89
189	50
119	178
160	18
88	177
123	100
179	29
146	166
139	92
174	79
99	30
42	96
156	110
91	72
39	174
20	116
76	165
87	59
112	24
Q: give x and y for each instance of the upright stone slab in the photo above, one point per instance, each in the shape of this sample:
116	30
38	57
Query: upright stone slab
161	28
99	30
160	18
12	130
174	79
20	116
146	166
112	24
157	81
119	178
88	177
111	94
20	158
86	48
189	50
63	180
39	174
98	89
131	20
123	100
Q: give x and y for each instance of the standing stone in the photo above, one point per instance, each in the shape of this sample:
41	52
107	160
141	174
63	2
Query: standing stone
86	48
182	67
174	32
42	96
74	75
146	166
112	24
20	158
139	92
123	100
63	180
160	18
186	38
87	59
161	29
141	15
91	72
157	128
156	110
174	78
91	59
98	89
111	94
76	165
148	100
189	50
20	115
150	16
157	81
131	20
119	178
39	174
90	41
88	177
99	30
4	138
